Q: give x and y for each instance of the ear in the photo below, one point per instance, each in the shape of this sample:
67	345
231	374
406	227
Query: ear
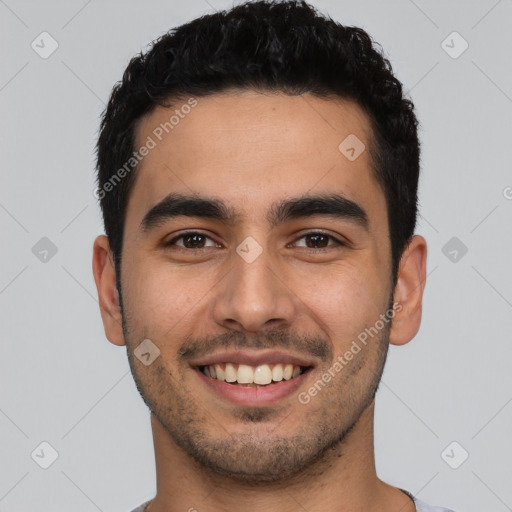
408	293
108	295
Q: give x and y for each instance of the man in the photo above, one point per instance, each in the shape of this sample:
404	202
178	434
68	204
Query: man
258	172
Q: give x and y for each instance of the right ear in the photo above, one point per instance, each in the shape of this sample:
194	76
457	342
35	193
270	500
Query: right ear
105	277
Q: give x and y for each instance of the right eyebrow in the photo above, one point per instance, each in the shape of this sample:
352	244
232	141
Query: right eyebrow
179	205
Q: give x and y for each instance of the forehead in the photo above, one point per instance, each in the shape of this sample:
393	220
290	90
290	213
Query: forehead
253	148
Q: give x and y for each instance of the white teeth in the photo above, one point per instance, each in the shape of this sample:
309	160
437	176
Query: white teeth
221	374
277	373
263	374
245	374
230	373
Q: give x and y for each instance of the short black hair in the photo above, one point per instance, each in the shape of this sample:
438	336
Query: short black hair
276	46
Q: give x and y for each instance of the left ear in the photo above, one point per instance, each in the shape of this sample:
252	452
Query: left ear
408	292
108	296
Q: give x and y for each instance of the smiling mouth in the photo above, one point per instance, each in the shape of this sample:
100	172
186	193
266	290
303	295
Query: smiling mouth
244	375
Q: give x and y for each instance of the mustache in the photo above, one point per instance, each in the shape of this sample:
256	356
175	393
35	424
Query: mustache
313	346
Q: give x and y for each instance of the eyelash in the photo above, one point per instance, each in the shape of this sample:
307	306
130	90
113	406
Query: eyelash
338	242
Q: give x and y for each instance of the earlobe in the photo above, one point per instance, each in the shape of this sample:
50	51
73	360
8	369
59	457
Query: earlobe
108	295
409	292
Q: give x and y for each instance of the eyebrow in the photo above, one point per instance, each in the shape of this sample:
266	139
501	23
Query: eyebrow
328	205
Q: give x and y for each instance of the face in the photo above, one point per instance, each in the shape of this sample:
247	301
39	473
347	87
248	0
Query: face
257	280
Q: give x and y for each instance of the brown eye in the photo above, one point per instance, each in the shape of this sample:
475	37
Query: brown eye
319	240
191	240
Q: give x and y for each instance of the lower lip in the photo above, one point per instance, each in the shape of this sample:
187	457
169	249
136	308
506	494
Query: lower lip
265	395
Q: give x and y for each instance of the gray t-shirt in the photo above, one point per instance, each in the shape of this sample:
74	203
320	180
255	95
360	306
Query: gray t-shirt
421	506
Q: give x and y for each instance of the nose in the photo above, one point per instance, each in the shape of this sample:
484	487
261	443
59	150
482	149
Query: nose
254	296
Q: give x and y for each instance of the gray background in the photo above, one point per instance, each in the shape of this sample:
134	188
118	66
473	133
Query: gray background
63	383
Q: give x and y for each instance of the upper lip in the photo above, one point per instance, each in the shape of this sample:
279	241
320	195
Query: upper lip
252	358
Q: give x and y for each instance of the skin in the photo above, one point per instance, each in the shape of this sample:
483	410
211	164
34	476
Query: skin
251	149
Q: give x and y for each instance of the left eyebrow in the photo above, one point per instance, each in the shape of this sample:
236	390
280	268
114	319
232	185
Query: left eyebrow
328	205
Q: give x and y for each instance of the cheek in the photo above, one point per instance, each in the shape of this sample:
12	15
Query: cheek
345	301
160	297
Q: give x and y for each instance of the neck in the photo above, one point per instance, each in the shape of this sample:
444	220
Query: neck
344	480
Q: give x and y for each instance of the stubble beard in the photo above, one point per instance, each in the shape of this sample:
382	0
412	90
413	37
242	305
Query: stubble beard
262	456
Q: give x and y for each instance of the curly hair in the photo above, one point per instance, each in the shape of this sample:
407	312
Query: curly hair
278	46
